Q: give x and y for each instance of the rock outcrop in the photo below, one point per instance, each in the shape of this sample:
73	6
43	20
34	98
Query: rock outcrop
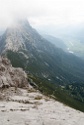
10	76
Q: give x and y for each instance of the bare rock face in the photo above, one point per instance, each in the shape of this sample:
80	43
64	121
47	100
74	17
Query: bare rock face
10	76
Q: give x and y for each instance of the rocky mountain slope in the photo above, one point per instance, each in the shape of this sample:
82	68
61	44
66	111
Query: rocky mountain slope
38	56
21	104
62	73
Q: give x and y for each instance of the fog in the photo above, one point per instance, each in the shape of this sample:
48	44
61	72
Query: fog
42	13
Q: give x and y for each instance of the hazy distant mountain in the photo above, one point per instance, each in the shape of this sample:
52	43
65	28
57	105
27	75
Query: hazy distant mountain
75	46
56	41
29	50
71	36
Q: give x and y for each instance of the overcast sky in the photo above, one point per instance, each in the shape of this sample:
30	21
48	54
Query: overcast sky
43	12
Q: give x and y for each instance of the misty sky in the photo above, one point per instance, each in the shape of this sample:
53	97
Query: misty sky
42	12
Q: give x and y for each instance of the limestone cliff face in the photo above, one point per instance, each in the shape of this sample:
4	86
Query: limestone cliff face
10	76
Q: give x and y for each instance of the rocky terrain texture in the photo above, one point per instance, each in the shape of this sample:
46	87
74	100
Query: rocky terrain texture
10	76
30	107
21	104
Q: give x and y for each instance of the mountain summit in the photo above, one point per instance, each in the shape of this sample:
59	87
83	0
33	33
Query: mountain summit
40	56
13	37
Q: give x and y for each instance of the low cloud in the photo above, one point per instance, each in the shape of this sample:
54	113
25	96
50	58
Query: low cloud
42	12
